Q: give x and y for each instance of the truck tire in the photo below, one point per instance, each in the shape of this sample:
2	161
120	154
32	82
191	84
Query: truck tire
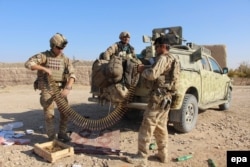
188	114
226	105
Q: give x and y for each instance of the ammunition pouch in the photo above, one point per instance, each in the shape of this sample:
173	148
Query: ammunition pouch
162	83
165	103
162	99
40	84
66	77
35	84
156	99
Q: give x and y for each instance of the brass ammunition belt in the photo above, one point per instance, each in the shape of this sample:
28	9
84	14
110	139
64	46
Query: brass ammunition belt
83	122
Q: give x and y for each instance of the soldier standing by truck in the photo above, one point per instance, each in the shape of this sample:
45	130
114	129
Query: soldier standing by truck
156	115
53	63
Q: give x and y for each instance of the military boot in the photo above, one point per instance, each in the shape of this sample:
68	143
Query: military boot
163	158
138	160
63	137
52	137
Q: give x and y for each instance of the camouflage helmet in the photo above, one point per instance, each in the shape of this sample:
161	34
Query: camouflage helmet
124	34
58	40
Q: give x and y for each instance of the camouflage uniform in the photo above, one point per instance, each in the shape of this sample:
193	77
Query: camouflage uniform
62	70
155	118
120	49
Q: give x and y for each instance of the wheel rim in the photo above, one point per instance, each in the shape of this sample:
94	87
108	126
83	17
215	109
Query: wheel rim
189	114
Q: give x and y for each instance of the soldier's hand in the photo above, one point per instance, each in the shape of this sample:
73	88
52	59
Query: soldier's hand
140	68
65	92
48	71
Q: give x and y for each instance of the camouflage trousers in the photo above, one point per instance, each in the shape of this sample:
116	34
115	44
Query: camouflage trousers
49	115
154	123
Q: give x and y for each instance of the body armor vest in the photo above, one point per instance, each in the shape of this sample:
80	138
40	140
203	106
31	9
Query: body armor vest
127	48
125	51
57	66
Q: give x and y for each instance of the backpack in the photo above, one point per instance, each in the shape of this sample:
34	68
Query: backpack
114	69
98	76
105	73
131	75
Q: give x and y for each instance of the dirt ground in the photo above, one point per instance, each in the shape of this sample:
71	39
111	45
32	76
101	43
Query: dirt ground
216	131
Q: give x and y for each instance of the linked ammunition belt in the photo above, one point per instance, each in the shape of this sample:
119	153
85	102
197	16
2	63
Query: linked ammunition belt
83	122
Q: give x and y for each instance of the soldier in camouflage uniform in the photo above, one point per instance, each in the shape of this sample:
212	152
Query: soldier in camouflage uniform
54	63
156	115
121	48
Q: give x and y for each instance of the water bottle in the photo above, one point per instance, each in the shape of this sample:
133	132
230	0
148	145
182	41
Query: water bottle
152	146
183	158
211	163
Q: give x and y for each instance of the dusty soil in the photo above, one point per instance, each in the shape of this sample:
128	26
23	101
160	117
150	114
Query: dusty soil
216	131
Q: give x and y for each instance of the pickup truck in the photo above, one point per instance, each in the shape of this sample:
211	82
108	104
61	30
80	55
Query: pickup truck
203	82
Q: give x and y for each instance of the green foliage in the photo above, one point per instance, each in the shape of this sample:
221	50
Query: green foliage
231	73
243	71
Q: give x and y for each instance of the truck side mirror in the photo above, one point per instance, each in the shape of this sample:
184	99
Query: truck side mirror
225	70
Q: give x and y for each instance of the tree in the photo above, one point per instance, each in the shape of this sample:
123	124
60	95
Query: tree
244	70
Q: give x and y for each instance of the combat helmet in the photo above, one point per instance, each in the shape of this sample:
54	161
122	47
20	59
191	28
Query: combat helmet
58	40
124	34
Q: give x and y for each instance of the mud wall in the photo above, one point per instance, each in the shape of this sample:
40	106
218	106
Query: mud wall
10	76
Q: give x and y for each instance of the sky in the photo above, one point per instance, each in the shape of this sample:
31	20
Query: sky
92	26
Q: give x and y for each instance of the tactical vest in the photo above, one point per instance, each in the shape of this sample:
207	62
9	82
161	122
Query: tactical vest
124	51
127	48
170	78
58	67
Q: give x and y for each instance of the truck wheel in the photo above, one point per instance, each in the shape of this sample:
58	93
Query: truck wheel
188	114
226	105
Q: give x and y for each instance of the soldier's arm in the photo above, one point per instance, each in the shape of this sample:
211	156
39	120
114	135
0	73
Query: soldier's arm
157	69
35	63
42	68
68	87
110	51
71	71
71	78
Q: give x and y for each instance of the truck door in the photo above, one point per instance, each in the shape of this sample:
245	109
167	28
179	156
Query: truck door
207	92
217	77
